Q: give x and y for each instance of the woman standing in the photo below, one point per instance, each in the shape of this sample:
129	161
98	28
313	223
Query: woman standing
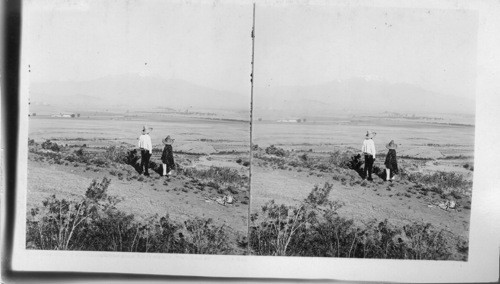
391	163
167	157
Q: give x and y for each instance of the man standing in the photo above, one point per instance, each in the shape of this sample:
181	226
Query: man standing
368	150
146	149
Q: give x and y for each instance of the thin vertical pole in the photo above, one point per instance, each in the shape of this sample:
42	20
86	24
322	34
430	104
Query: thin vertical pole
251	132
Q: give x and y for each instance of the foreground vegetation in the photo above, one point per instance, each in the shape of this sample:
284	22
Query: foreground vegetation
313	228
94	223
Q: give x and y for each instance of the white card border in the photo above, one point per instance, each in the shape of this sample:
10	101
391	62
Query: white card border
484	242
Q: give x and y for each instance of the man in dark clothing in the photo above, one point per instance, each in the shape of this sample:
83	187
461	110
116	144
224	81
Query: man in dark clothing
369	167
145	156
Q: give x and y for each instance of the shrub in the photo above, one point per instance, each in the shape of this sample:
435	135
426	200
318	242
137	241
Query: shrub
213	184
220	174
459	157
97	190
443	180
99	161
53	225
425	243
282	223
329	238
455	194
274	234
70	158
273	150
278	161
48	145
206	238
58	222
82	156
436	189
117	154
341	159
232	190
319	196
80	152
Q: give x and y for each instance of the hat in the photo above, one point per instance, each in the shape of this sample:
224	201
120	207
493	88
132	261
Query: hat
391	145
370	134
146	130
168	140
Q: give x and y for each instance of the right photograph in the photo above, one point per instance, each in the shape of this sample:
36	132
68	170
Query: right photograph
363	132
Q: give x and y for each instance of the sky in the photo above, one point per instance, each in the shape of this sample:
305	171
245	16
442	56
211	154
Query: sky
310	45
208	43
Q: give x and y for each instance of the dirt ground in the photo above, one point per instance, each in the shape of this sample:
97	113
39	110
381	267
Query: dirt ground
141	198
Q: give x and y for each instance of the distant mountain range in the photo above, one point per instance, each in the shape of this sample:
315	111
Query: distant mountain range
357	95
129	91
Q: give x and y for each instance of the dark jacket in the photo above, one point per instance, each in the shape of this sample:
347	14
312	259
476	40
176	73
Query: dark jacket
167	157
391	161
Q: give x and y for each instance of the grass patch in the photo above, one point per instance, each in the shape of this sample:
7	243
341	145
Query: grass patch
459	157
216	174
413	158
440	181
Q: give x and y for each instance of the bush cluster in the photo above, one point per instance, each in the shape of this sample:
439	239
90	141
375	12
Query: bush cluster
343	159
313	228
49	145
245	163
94	223
442	180
273	150
220	174
99	158
117	154
347	160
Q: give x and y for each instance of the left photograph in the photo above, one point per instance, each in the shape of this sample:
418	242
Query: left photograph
139	125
